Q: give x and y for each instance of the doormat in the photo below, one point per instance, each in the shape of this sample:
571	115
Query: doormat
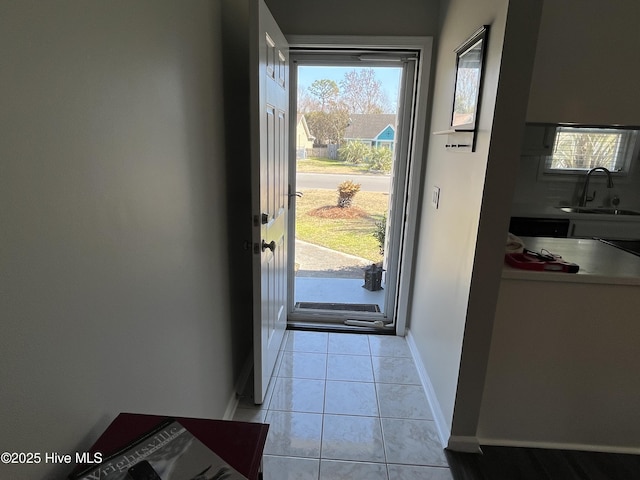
349	307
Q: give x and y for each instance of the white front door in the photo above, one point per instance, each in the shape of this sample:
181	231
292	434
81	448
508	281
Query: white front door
269	150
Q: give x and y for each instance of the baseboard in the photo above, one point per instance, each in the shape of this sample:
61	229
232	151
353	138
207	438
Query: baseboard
442	426
462	443
232	405
584	447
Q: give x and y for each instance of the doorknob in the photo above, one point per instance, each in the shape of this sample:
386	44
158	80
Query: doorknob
271	245
297	194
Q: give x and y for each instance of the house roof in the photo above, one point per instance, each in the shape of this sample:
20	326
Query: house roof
369	126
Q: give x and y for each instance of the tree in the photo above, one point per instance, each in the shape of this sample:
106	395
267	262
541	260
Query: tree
326	91
328	127
363	93
306	103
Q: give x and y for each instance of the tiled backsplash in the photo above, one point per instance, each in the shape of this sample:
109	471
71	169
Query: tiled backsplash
531	188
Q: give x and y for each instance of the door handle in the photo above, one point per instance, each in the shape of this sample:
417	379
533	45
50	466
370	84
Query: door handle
289	195
271	245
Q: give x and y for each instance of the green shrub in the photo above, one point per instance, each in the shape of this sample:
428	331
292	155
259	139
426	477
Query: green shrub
380	159
354	152
346	191
380	232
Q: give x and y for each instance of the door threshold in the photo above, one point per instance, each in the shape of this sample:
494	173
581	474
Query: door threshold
337	328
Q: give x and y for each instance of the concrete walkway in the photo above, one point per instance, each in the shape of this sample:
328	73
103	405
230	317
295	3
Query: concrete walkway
315	261
324	275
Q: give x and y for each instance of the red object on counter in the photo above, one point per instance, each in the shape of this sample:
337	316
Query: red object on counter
528	262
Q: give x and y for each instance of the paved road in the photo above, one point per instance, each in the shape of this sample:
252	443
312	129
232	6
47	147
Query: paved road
369	183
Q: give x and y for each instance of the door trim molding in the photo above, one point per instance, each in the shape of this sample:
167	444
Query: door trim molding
359	41
417	145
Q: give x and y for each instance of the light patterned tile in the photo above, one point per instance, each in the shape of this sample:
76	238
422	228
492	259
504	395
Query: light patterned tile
351	398
298	395
303	365
355	368
339	470
352	438
403	401
313	342
348	344
388	346
294	434
395	370
412	442
410	472
290	468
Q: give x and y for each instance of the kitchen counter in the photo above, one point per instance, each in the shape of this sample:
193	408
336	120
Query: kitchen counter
564	359
599	262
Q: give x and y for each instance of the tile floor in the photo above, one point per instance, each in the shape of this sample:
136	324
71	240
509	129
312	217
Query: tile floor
347	406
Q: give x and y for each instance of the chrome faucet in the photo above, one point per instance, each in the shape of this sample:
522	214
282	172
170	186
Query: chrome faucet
585	192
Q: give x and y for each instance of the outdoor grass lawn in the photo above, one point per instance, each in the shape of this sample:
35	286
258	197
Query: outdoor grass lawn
326	165
347	235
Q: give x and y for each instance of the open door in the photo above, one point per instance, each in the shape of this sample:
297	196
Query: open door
269	174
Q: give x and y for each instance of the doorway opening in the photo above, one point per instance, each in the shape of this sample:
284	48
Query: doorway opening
351	145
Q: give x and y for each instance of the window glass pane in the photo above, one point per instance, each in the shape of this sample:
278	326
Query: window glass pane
583	149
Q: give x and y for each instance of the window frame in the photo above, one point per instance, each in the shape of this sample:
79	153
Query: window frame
628	150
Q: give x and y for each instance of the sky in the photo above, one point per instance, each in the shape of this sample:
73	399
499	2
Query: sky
389	76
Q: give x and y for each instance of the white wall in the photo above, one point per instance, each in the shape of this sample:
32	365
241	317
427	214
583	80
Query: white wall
356	17
112	205
586	68
461	243
563	371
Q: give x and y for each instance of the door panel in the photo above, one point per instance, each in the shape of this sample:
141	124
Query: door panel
269	104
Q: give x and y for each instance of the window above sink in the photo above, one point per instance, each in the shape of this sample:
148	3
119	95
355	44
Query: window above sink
577	149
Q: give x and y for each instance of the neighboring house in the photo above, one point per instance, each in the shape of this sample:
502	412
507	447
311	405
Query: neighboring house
304	139
375	130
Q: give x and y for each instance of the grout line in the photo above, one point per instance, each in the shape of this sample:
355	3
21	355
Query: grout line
379	416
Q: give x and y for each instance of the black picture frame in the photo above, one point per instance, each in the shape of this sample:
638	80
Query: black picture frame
470	59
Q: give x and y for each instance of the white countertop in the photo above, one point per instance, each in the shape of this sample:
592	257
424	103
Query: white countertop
599	262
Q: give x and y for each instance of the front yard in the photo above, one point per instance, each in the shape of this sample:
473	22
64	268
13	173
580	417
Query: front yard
327	165
348	230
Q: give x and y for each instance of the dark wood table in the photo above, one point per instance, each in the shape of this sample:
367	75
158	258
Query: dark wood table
239	443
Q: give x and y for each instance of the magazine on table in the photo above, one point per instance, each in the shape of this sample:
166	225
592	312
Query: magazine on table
169	452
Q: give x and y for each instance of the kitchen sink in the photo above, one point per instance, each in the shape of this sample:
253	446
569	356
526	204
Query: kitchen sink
601	211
